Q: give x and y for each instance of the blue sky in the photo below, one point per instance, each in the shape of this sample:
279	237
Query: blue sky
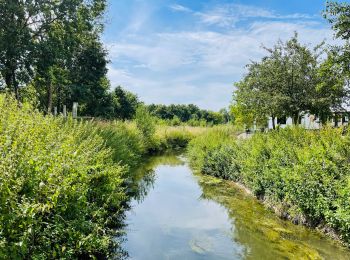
192	51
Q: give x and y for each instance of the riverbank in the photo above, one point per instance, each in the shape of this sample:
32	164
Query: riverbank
302	175
63	191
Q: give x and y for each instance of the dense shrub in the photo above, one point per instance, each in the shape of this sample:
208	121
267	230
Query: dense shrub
222	162
208	141
305	174
61	195
146	124
125	140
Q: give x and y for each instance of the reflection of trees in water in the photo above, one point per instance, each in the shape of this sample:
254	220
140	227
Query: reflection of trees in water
144	185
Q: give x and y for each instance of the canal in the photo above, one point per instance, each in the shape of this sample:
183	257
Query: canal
176	214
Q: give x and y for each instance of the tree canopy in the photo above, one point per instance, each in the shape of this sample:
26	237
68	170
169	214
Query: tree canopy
290	80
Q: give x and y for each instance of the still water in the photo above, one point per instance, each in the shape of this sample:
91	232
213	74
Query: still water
177	214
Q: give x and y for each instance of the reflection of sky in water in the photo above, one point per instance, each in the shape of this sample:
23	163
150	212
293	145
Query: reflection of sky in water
173	222
170	219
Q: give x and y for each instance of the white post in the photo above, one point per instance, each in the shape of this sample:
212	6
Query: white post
55	111
75	110
64	111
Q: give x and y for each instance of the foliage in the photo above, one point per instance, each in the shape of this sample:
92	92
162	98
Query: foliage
290	81
300	173
338	16
125	141
61	195
172	138
208	141
125	104
190	114
146	124
56	45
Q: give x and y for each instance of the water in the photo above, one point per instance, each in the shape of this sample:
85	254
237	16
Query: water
179	215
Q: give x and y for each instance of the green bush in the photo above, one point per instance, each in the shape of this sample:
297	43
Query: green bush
208	141
125	140
146	124
303	173
222	163
61	195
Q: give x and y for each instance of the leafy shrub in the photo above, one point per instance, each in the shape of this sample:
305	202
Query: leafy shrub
146	124
208	141
125	140
222	163
305	173
61	195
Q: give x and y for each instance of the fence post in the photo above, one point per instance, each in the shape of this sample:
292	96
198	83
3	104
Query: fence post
75	110
64	111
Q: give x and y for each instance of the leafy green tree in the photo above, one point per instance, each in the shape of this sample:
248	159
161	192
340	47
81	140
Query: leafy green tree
338	16
330	92
289	81
125	103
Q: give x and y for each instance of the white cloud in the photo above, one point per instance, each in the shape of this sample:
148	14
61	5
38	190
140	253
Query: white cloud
200	65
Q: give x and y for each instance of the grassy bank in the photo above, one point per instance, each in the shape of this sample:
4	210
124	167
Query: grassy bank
64	182
303	175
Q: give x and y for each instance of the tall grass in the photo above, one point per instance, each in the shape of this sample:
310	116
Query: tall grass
302	174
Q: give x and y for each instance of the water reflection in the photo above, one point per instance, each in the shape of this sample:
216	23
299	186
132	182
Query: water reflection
176	214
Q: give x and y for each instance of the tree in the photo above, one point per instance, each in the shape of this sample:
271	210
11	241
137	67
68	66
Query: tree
338	15
22	25
330	91
71	61
125	103
288	82
54	46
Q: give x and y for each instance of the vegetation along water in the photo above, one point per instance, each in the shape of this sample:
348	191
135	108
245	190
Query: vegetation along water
96	182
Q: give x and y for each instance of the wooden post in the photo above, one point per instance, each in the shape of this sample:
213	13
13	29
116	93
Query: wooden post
75	110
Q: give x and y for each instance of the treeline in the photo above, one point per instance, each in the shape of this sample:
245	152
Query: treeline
189	114
294	79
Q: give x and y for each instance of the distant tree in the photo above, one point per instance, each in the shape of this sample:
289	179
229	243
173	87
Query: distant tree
186	113
225	114
125	103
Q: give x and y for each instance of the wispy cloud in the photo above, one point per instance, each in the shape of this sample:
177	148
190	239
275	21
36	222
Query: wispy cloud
180	8
229	14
